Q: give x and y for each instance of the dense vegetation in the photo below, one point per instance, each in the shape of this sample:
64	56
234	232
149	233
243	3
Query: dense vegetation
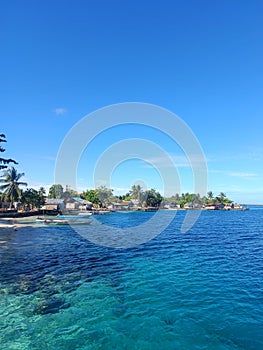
11	190
100	197
10	186
197	200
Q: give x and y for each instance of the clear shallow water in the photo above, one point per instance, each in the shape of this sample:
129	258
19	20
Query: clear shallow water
199	290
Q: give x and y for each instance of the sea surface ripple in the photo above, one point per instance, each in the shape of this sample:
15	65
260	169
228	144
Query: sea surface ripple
198	290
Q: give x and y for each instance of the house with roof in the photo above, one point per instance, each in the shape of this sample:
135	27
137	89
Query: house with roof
171	205
123	205
53	205
77	203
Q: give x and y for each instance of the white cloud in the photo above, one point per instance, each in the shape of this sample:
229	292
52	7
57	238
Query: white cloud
167	162
244	175
175	161
255	155
60	111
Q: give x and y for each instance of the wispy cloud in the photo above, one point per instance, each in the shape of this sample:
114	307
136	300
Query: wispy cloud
244	175
177	161
254	155
168	162
60	111
238	174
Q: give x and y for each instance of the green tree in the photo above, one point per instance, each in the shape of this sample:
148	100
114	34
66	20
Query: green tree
105	195
32	198
69	193
136	192
10	188
196	201
4	161
153	198
182	203
221	197
176	197
91	196
55	191
183	199
127	197
210	195
42	192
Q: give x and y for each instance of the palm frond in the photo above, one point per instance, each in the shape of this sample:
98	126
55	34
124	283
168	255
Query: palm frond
18	176
4	187
21	183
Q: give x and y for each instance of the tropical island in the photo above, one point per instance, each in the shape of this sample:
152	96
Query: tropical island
17	198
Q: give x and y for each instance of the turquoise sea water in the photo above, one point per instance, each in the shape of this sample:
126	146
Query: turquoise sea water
199	290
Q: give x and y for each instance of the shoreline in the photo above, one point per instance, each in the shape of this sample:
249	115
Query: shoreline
15	222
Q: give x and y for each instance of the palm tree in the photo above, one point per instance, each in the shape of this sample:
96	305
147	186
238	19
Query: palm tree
136	192
210	195
221	197
11	185
42	192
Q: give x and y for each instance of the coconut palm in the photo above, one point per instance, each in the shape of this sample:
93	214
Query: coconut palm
10	188
136	192
210	195
221	198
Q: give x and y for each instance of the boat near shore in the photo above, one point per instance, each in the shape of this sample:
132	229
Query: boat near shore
100	212
61	221
85	213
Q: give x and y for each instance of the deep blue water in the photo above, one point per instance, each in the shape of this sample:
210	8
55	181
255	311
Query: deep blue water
199	290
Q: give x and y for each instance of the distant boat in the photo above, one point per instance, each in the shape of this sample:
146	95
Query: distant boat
86	222
101	212
85	213
62	221
43	221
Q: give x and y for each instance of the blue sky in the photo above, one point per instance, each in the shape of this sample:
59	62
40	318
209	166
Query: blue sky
202	60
